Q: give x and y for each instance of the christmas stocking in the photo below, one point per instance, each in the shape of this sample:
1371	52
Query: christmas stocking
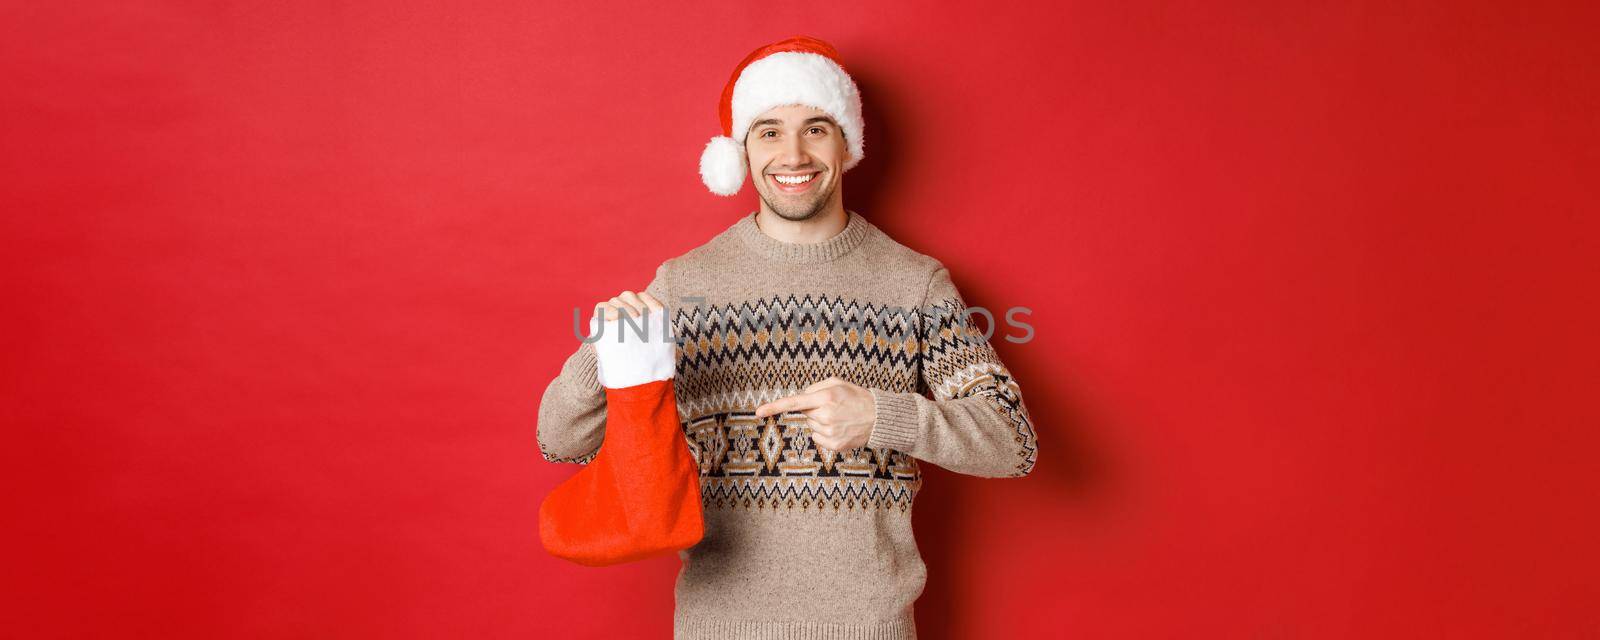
640	495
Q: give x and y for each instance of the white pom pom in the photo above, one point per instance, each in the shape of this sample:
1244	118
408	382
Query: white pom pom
722	166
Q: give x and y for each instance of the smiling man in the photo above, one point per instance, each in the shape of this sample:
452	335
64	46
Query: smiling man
798	151
818	361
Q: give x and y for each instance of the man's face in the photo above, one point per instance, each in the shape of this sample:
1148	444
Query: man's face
793	143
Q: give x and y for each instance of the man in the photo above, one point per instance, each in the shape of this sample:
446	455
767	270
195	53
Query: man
809	343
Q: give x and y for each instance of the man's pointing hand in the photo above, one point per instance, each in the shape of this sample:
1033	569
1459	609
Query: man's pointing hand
840	414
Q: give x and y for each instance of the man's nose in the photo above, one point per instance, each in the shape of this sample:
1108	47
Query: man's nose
793	152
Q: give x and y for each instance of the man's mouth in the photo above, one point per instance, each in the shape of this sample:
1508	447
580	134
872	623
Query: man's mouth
793	182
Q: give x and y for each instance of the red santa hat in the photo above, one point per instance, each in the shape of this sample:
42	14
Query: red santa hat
799	70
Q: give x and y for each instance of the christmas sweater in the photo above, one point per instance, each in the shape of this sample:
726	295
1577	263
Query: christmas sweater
802	541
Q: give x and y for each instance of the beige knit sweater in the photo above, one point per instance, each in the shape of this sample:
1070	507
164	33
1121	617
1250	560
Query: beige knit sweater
803	542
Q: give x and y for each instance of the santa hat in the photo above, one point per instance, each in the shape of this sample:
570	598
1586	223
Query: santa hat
799	70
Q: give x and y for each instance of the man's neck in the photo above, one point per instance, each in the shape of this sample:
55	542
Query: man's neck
817	228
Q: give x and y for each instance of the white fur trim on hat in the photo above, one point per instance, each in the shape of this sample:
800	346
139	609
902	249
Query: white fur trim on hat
722	166
796	77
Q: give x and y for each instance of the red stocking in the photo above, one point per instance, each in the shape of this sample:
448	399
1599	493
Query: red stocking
640	495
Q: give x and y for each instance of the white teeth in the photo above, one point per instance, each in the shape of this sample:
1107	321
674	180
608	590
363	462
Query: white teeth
794	179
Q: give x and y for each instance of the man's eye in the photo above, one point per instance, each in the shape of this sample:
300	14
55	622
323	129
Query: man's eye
817	129
764	133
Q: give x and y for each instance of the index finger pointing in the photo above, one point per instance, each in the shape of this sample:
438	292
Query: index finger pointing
797	402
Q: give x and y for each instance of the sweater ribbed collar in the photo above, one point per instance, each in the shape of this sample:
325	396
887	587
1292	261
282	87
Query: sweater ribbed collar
855	230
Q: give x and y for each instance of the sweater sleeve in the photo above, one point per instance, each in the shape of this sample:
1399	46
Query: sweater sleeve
975	423
572	412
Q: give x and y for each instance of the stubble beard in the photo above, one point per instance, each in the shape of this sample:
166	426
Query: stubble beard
789	209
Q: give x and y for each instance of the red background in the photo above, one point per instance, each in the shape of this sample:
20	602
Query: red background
1313	290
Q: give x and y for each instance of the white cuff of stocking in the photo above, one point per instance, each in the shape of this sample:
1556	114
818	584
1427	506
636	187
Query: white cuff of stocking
632	351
